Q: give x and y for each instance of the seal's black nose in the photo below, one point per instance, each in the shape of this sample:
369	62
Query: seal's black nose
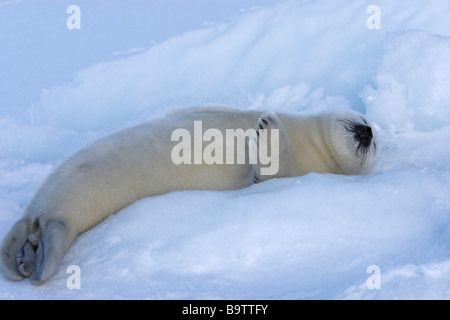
364	135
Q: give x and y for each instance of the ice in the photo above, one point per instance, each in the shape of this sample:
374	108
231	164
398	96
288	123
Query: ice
310	237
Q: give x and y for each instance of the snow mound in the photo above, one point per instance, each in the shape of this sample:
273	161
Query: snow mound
321	45
410	90
427	281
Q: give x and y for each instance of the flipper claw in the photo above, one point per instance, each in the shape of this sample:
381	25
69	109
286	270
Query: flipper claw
25	267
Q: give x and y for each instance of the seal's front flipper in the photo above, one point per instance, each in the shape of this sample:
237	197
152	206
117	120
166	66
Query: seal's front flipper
269	125
12	250
56	240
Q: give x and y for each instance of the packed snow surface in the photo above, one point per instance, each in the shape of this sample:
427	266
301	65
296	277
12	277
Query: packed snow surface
310	237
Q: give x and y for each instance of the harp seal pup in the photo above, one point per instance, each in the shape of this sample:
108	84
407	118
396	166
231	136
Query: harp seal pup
115	171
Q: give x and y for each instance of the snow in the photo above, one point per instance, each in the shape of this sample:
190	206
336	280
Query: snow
310	237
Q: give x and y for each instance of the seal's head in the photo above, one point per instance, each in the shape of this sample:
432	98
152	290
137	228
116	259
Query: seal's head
355	142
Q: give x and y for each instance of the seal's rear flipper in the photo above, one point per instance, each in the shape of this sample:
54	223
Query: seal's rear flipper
55	241
12	249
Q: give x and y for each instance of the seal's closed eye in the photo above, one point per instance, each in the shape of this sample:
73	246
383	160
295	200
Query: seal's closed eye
360	138
363	134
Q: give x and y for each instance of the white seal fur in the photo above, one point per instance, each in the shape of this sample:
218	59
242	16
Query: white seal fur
116	171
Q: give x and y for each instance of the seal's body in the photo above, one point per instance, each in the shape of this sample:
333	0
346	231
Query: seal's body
116	171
